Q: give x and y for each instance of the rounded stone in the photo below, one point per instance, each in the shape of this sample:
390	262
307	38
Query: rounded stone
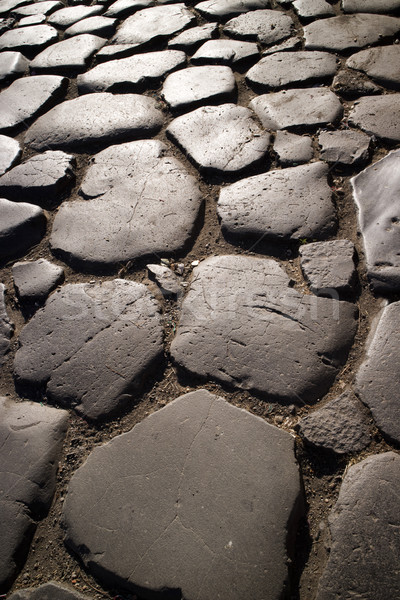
34	280
22	226
264	26
378	116
224	9
101	26
69	55
381	64
28	40
65	17
226	52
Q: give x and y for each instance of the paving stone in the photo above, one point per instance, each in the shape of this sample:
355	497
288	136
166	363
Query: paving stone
370	6
32	20
134	74
280	70
46	7
12	64
22	226
310	9
91	346
349	84
69	55
226	52
378	115
42	179
31	437
225	9
101	26
293	150
6	330
6	24
243	325
290	44
65	17
328	266
154	24
344	147
264	26
293	203
25	98
82	122
48	591
217	486
8	5
364	556
29	40
381	64
132	188
220	139
124	8
166	279
116	51
376	193
340	426
193	37
199	85
297	108
10	151
347	32
34	280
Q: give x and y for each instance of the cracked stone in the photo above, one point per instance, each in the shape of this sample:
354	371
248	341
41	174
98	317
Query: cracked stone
243	325
352	83
45	7
12	64
264	26
91	346
65	17
101	26
72	54
310	9
10	151
166	279
48	591
378	116
293	150
6	326
34	280
381	64
226	52
370	6
224	9
191	38
217	486
344	147
29	40
329	266
124	8
22	226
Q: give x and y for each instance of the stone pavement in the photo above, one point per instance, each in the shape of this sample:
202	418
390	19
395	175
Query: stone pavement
199	299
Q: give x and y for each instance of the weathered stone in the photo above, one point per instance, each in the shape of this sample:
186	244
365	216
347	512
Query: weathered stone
124	8
166	279
349	84
344	147
65	17
10	151
370	6
292	203
12	64
31	437
364	524
381	64
224	9
69	55
22	226
29	40
297	108
193	37
101	26
32	20
48	591
220	139
6	24
92	345
34	280
329	266
6	327
225	52
293	150
378	116
94	118
134	74
264	26
8	5
44	7
376	194
27	97
310	9
290	44
115	51
217	486
132	189
243	325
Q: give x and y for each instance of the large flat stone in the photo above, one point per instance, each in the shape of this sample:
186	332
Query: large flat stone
200	496
101	26
65	17
344	147
6	326
226	52
48	591
370	6
29	40
9	5
225	9
192	38
264	26
381	64
292	149
329	266
243	325
69	55
124	8
12	64
310	9
22	226
10	151
378	116
82	122
45	7
34	280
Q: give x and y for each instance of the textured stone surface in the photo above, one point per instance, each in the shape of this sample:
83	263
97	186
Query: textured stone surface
292	203
29	40
223	9
8	5
293	149
378	116
220	139
225	52
381	64
32	20
329	266
65	17
69	55
264	26
10	151
214	484
95	118
116	51
376	194
370	6
309	9
344	147
242	325
48	591
44	7
193	37
101	26
124	8
6	326
92	345
34	280
133	188
12	64
350	84
166	279
364	557
289	44
22	225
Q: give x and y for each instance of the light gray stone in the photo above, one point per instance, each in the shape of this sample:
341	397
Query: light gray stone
34	280
6	327
29	40
115	51
289	44
101	26
224	9
48	591
22	225
381	64
310	9
370	6
166	279
32	20
45	7
329	266
193	37
124	8
378	115
65	17
10	151
293	150
12	64
9	5
69	55
226	52
344	147
264	26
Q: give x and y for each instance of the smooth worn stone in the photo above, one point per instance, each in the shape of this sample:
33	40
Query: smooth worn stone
264	26
293	203
32	20
31	437
225	52
310	9
220	139
200	497
376	194
283	69
10	151
340	426
69	55
192	38
293	150
344	147
192	87
27	97
347	32
65	17
12	64
290	44
48	591
303	108
45	7
82	122
134	74
115	51
101	26
364	554
6	329
378	115
131	189
381	64
34	280
225	9
349	84
154	24
8	5
22	225
329	267
168	282
91	346
42	179
124	8
378	378
243	325
29	40
370	6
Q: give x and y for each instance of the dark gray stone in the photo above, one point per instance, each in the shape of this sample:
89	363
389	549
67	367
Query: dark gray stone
293	150
349	84
45	7
22	226
101	26
220	139
381	64
288	204
31	437
216	486
166	279
6	327
35	280
329	266
124	8
48	591
10	151
303	108
65	17
193	37
69	55
132	189
224	9
42	179
226	52
264	26
344	147
364	556
92	346
12	64
376	194
82	122
378	116
243	325
115	51
310	9
370	6
29	40
134	74
25	98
